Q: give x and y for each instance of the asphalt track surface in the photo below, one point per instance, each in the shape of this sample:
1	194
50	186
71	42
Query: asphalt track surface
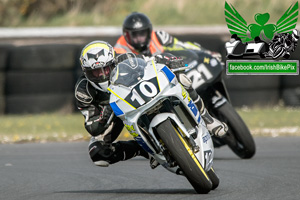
64	171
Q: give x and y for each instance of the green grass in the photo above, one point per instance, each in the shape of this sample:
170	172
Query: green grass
16	13
57	127
44	127
275	121
275	117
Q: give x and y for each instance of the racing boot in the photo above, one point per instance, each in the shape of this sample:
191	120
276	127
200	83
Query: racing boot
104	154
214	126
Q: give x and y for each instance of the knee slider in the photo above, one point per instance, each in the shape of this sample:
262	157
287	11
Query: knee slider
101	153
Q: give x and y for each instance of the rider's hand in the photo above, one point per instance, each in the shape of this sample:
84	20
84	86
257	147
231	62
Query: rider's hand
105	113
171	61
216	55
176	62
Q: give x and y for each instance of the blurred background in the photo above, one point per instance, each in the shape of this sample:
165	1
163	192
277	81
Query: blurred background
40	43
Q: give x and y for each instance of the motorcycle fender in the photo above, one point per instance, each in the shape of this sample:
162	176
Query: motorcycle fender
159	118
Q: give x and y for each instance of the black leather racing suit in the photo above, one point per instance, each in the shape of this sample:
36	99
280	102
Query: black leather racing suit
91	102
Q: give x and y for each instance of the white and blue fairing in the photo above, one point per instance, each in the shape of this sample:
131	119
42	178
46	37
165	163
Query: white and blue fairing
137	87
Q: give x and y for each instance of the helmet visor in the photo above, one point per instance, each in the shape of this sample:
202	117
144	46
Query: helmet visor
99	74
139	36
139	39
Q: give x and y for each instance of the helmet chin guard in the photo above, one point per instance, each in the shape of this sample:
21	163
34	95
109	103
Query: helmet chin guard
101	86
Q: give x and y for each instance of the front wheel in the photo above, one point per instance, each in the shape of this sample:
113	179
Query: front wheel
214	178
182	153
238	137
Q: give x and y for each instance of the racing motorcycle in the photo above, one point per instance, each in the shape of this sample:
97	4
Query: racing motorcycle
159	113
279	49
282	44
205	71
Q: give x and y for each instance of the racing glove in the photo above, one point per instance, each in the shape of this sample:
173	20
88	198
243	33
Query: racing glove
105	113
171	61
215	54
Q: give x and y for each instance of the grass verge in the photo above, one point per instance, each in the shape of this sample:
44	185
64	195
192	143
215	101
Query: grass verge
275	121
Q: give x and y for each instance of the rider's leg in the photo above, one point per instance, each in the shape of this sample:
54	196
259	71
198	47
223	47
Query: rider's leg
214	126
103	154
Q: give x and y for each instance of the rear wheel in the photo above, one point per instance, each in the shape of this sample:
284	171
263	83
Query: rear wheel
238	137
182	153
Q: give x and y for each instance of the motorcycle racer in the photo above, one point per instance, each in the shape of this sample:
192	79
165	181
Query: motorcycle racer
285	42
139	38
92	98
97	61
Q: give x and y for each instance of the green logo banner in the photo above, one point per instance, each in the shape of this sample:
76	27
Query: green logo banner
247	32
262	67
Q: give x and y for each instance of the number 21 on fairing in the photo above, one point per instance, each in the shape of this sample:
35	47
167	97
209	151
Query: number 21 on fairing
199	75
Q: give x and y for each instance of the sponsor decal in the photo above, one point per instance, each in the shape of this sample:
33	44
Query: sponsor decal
206	138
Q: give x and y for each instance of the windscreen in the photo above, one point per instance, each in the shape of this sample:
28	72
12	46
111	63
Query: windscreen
128	72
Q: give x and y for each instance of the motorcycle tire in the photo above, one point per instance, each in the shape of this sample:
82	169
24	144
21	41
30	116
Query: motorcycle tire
238	137
214	178
184	156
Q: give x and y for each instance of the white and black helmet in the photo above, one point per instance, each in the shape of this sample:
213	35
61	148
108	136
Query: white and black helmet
97	60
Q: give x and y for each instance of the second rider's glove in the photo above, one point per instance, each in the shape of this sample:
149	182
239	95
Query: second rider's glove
171	61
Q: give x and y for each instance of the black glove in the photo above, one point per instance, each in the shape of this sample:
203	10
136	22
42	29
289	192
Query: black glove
171	61
105	113
214	54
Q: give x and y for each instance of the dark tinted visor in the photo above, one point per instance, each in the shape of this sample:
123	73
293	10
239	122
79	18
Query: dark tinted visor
99	74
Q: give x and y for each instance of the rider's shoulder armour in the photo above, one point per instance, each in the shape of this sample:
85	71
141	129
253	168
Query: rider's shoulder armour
164	38
82	92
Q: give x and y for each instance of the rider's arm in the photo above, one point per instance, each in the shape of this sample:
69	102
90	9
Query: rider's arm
172	43
96	122
95	116
92	122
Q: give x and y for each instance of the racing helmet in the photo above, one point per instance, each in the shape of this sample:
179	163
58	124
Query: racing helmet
137	29
97	60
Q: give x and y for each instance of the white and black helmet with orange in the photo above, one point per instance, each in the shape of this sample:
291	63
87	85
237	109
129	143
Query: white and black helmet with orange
97	60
